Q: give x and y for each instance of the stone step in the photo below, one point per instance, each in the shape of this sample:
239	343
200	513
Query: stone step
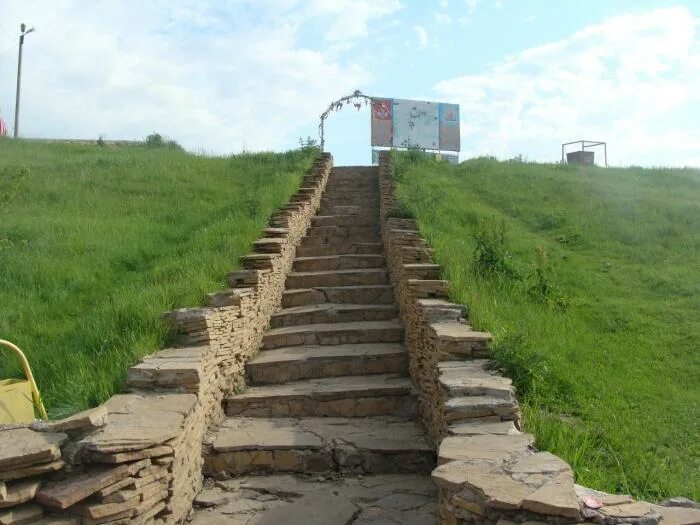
332	313
344	231
353	277
382	445
364	186
367	203
334	334
344	220
356	199
362	210
338	262
346	396
350	248
356	195
353	172
295	363
369	294
339	242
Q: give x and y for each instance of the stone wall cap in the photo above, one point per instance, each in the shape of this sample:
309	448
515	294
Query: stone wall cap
86	421
458	332
23	447
137	421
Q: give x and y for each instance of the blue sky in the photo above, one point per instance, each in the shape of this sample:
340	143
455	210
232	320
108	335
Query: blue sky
221	77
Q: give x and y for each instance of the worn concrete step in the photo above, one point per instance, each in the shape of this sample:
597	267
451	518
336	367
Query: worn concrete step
382	445
295	363
350	248
334	334
353	277
332	313
344	220
338	262
369	294
346	396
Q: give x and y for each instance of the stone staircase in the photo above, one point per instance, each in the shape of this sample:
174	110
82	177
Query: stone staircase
329	393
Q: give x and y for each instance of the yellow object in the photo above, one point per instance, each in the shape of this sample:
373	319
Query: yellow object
19	398
16	401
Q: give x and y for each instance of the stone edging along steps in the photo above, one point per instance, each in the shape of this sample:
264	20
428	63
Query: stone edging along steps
488	470
137	458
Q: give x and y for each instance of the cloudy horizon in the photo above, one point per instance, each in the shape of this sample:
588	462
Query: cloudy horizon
222	77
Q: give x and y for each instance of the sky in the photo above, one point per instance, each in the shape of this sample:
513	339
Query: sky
222	77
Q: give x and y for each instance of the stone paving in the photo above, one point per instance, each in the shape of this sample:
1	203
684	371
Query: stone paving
296	500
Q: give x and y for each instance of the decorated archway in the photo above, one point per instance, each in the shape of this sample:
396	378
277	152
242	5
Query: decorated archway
357	99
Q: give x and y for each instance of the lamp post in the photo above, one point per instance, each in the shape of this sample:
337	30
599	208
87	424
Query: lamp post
23	31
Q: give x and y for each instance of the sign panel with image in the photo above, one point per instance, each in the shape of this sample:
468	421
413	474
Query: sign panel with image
400	123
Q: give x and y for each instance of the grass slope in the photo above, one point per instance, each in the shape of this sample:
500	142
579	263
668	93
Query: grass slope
96	242
602	338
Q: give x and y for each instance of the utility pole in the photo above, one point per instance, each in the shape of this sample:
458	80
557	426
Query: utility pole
23	31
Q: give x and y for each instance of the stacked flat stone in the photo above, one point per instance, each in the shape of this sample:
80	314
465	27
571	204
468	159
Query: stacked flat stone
26	455
232	324
137	458
489	471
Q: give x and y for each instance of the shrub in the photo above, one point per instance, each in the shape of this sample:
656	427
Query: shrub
156	140
541	288
491	258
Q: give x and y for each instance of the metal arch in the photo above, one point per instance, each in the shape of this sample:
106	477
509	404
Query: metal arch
338	104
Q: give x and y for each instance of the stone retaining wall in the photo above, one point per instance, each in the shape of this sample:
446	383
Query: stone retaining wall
488	470
137	458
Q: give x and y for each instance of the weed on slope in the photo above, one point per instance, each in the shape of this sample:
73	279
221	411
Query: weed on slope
96	242
589	279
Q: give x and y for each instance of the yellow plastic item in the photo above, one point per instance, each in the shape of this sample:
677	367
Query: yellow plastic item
18	398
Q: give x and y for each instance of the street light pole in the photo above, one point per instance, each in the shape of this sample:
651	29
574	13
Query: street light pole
23	31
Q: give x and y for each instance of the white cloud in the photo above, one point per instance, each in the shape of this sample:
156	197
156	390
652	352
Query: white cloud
422	35
630	80
472	5
213	76
351	17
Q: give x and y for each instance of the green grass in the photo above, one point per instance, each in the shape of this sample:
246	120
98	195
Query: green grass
594	302
96	242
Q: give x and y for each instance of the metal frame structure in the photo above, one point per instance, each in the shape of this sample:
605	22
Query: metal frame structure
585	144
356	99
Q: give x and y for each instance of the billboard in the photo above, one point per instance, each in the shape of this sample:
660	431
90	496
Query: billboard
399	123
382	128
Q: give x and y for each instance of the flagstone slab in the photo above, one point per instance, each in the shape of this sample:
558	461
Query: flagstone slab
23	447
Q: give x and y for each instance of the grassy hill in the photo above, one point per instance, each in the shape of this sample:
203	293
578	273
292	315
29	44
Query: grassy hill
589	279
96	242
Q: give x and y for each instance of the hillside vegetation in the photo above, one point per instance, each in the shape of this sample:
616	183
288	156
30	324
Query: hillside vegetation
96	242
589	279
